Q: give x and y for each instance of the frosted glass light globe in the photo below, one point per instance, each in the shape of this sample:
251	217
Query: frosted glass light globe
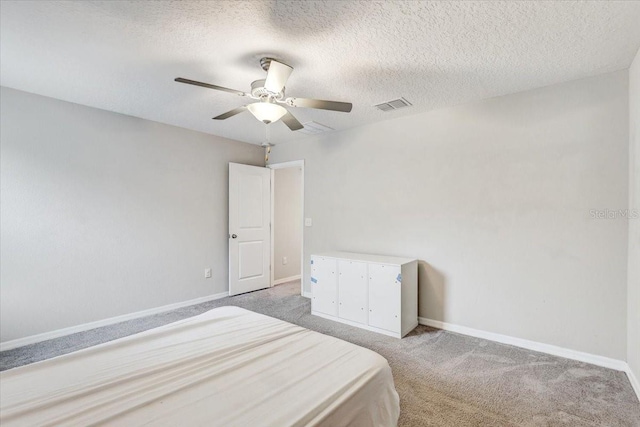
267	112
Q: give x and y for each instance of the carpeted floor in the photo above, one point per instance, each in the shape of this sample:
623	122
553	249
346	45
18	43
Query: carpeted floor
444	379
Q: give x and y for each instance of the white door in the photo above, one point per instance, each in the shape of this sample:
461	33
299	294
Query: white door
352	290
384	296
249	228
324	285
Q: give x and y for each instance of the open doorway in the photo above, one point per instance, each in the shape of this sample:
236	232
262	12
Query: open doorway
287	229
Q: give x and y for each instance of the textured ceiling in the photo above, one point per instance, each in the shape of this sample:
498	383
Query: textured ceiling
123	56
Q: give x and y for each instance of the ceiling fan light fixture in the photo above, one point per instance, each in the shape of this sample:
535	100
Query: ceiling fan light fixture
270	92
267	112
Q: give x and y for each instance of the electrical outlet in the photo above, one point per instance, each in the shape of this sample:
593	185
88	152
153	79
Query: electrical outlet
308	222
207	273
284	260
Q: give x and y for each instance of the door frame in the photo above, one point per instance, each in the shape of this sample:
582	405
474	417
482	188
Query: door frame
286	165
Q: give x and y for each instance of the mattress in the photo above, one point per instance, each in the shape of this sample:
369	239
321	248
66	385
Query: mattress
226	367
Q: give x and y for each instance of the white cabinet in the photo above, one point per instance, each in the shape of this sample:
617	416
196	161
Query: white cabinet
384	296
324	286
352	290
374	292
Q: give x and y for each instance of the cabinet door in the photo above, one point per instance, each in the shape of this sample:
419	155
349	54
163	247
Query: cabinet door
324	285
352	291
384	297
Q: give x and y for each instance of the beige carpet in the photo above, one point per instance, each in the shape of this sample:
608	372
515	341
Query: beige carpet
444	379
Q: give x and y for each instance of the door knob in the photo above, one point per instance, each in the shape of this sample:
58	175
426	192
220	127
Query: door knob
233	236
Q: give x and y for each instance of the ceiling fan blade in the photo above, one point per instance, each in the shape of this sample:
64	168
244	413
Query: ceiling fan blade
277	76
209	86
291	122
344	107
231	113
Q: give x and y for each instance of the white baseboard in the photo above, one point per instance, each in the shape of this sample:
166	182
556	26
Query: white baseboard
307	295
20	342
286	279
618	365
634	381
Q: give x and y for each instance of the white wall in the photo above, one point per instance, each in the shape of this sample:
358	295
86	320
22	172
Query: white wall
495	198
105	214
633	299
287	222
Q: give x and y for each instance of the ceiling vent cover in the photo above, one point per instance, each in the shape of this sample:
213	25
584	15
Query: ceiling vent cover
313	128
393	105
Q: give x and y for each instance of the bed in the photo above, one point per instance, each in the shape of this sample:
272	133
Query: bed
226	367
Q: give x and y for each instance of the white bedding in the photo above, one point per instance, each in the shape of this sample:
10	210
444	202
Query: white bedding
226	367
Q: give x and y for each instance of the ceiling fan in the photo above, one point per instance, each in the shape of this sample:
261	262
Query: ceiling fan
269	94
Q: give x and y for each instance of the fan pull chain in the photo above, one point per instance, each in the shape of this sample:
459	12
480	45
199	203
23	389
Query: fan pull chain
267	144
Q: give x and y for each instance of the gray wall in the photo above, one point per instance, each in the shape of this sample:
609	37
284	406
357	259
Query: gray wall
105	214
495	198
287	222
633	300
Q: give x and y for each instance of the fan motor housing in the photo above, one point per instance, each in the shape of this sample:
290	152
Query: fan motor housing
258	91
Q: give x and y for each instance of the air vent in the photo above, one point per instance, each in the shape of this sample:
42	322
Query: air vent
313	128
393	105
